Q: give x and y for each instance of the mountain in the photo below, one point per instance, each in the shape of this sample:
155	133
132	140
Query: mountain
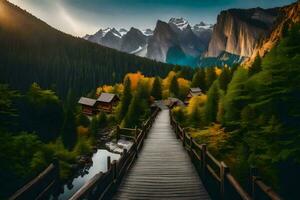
165	43
133	41
238	31
288	15
32	51
190	43
204	32
108	37
162	40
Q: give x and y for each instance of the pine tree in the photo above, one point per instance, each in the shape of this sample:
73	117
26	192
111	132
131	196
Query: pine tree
236	96
212	104
211	76
174	87
136	109
125	100
156	91
225	78
69	135
256	66
199	79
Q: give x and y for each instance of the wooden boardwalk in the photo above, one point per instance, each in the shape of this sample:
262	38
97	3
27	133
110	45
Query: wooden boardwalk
163	169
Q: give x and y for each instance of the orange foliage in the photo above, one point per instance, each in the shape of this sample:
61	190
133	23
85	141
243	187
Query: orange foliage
82	131
183	83
218	71
134	78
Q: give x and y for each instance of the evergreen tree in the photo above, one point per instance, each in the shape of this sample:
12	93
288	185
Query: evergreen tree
236	96
225	78
94	126
256	66
69	135
199	79
136	110
211	76
83	120
156	91
8	112
42	112
174	87
212	103
125	99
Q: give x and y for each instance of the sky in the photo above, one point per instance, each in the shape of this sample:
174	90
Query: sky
80	17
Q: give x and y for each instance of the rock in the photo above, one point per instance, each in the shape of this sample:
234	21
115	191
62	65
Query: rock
238	31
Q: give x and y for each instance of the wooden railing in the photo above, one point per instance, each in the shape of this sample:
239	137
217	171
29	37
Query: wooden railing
216	175
102	185
40	186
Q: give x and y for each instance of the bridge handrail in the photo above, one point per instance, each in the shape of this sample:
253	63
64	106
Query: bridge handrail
102	185
40	185
219	171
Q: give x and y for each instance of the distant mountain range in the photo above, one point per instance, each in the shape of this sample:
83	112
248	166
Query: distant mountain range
32	51
235	38
172	42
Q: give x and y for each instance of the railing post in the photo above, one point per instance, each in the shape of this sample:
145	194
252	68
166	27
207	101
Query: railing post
183	137
203	158
114	169
135	132
224	170
108	162
176	129
253	176
118	132
191	143
124	152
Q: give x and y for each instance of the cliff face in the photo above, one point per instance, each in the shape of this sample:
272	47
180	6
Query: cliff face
238	31
163	39
288	15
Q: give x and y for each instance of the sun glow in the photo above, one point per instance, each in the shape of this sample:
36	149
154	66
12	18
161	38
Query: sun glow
64	15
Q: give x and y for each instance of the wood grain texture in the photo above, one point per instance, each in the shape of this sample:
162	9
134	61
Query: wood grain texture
163	169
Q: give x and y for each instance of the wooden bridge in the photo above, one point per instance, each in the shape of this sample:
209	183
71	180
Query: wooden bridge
163	169
163	163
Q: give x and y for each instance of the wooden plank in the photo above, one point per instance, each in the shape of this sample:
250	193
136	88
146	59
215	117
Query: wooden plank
163	169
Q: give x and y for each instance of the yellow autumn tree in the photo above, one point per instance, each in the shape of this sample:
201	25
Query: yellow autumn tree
166	82
184	86
195	110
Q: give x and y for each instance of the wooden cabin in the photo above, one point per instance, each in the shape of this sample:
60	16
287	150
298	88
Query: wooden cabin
107	101
192	93
89	106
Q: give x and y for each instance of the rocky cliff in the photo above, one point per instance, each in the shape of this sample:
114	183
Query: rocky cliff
162	40
238	31
288	16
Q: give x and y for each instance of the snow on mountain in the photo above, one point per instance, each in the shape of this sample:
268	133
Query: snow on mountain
137	50
147	32
181	23
123	31
202	26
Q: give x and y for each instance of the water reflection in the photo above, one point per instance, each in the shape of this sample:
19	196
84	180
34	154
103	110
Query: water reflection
99	164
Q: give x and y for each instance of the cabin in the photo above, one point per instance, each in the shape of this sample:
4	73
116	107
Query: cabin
88	105
192	93
107	101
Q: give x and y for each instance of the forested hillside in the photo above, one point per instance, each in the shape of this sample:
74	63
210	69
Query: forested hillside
32	51
251	118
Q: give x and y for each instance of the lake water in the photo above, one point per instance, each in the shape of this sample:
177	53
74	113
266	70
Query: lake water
99	164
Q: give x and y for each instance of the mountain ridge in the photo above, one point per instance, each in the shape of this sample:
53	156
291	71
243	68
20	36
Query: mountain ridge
57	60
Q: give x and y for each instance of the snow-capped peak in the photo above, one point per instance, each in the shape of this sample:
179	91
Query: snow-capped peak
147	32
123	31
202	25
105	31
181	23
